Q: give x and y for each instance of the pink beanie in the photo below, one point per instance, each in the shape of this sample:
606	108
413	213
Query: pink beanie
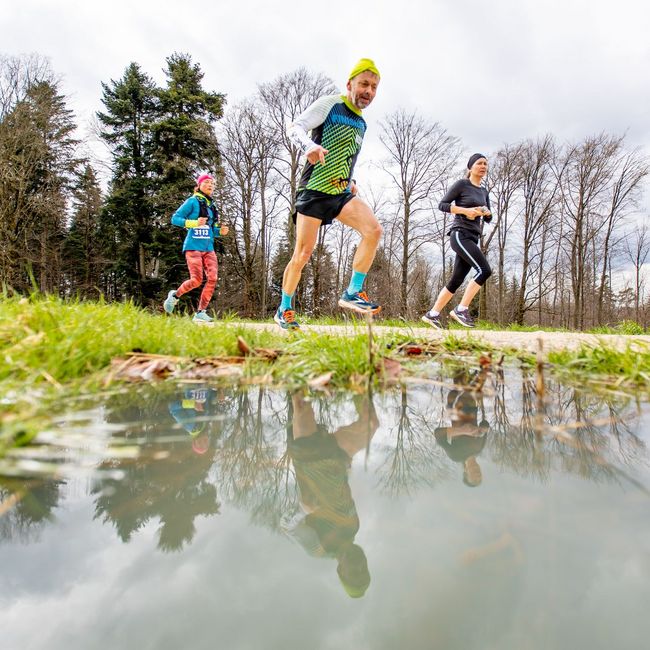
204	177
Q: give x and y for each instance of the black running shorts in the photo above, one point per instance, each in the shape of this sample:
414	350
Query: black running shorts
319	205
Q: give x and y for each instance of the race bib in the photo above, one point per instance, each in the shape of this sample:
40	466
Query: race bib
202	232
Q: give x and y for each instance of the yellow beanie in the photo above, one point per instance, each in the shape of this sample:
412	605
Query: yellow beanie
361	66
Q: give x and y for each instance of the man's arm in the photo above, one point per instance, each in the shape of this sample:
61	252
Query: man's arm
309	119
354	437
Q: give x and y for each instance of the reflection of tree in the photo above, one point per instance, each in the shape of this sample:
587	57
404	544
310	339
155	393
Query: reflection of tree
29	506
414	460
519	446
174	489
585	435
582	446
169	479
253	478
244	458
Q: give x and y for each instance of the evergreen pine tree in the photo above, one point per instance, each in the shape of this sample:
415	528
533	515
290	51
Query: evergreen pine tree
82	259
131	108
39	154
184	144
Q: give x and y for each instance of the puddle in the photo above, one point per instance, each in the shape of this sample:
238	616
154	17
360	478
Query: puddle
463	511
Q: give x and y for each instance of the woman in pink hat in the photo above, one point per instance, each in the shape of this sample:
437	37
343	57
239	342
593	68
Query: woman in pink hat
199	216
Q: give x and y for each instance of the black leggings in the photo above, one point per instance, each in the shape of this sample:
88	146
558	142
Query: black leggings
468	256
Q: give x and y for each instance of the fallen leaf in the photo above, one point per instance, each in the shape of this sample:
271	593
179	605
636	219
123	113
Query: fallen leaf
244	348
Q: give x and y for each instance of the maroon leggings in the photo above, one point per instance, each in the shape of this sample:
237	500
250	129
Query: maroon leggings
197	261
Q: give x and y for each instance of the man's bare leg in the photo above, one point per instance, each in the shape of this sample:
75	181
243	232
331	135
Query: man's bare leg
357	215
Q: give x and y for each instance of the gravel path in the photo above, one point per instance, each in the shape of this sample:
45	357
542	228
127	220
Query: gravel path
524	341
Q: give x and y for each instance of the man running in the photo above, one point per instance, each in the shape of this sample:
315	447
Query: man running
327	190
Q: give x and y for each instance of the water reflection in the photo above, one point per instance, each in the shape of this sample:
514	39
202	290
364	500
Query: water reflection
322	458
241	501
26	507
270	453
169	480
464	438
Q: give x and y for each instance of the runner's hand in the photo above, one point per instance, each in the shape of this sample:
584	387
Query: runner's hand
317	154
202	221
472	213
224	230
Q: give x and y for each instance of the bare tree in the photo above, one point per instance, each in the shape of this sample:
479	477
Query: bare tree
589	167
283	99
248	149
637	250
540	187
503	181
421	155
631	169
18	74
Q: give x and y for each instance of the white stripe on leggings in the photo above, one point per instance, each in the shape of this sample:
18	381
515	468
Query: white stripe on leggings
478	266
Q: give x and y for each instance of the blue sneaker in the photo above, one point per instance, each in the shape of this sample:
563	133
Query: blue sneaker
358	302
170	302
462	317
202	317
286	319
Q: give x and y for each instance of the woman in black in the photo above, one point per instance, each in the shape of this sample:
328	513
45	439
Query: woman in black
469	202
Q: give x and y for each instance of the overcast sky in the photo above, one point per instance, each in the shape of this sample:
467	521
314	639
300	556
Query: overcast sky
489	72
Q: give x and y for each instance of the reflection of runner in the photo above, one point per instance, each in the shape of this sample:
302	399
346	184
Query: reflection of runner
329	522
193	412
327	190
464	440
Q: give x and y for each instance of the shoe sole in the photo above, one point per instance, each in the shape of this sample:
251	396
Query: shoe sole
203	322
458	320
352	307
286	329
436	326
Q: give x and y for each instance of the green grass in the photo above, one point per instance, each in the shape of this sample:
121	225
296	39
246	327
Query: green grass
42	338
626	327
629	368
52	349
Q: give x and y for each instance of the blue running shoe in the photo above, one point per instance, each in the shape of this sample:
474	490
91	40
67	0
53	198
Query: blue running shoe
170	302
358	302
462	317
286	319
202	317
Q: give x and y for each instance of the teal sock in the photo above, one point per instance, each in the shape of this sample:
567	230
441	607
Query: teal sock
356	282
286	301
